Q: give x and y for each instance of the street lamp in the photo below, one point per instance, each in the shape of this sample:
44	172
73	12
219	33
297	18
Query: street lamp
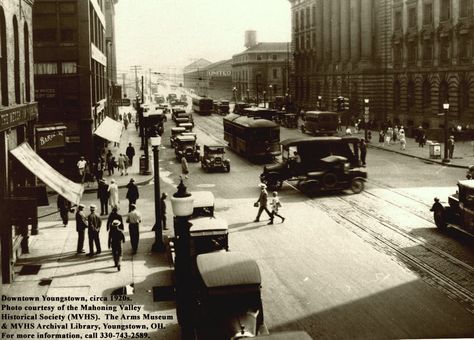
271	95
158	246
446	110
235	94
248	95
320	98
264	98
366	117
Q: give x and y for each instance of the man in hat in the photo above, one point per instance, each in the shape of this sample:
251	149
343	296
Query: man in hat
116	238
94	223
81	167
81	226
114	215
132	193
451	147
134	219
262	203
64	207
103	196
130	152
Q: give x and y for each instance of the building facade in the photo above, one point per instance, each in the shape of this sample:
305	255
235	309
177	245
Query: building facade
18	113
71	80
261	71
111	54
193	75
213	81
407	57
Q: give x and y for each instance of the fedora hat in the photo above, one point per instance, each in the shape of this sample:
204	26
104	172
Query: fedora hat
262	185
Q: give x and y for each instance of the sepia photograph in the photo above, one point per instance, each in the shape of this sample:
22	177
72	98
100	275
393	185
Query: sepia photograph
233	169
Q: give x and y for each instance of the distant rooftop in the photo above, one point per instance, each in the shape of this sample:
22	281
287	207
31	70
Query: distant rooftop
267	47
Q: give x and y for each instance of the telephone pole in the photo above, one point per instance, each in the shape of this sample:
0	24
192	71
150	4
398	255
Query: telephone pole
136	68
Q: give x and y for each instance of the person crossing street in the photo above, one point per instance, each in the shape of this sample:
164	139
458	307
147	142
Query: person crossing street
116	238
262	203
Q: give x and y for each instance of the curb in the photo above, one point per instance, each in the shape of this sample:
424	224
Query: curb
138	183
418	157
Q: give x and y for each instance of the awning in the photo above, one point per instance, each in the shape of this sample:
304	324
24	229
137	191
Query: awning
110	129
63	186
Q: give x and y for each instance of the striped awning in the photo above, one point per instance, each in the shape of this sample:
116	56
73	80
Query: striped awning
62	185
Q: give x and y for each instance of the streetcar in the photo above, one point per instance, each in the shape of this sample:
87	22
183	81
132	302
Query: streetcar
320	123
203	106
252	138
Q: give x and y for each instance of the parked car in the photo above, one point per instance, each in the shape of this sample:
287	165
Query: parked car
188	126
175	132
214	158
203	205
323	163
223	107
186	146
459	211
208	234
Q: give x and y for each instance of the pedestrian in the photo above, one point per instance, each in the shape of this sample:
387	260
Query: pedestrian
132	193
363	151
88	174
348	131
451	147
114	200
381	137
134	219
262	203
395	133
389	136
111	165
81	166
129	115
163	210
403	141
125	122
126	163
114	215
108	157
121	164
275	204
422	139
184	167
130	152
116	238
81	226
103	196
94	223
99	170
64	207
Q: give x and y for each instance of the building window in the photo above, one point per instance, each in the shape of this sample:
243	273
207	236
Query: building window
44	35
465	8
313	38
274	57
397	22
412	17
26	47
445	10
308	20
67	7
69	68
465	48
46	68
3	59
45	7
411	52
259	57
427	13
463	99
397	54
16	60
427	51
444	51
410	94
275	73
443	94
426	95
314	15
68	36
297	21
302	19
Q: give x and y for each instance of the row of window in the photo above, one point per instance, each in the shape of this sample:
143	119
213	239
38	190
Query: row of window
304	19
52	68
243	74
445	13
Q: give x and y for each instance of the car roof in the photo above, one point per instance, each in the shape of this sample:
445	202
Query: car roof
249	121
321	112
188	138
309	140
205	225
184	124
468	183
228	269
203	199
214	146
178	128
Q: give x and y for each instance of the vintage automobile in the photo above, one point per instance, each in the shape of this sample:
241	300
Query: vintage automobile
289	120
318	163
208	234
203	204
186	146
171	96
187	126
239	107
228	303
175	132
223	108
459	211
182	117
214	158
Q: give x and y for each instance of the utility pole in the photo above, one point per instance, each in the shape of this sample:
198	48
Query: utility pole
136	68
145	136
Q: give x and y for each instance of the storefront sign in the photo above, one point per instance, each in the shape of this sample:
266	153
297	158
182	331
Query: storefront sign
50	137
219	73
17	115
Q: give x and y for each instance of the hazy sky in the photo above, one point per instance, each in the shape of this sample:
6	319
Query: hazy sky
169	33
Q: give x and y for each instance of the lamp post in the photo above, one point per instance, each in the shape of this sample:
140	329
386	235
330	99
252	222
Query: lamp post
319	102
158	246
182	204
270	87
235	94
446	111
366	116
264	98
248	95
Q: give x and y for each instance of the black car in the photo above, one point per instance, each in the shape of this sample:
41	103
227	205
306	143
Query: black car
186	146
214	158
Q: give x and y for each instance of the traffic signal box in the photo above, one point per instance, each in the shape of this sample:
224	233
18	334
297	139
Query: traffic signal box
342	103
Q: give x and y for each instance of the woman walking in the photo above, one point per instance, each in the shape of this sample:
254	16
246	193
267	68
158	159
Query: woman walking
113	194
275	205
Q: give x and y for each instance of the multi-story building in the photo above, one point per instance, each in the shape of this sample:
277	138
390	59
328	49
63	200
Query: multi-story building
111	55
261	71
213	81
18	112
71	76
407	57
193	75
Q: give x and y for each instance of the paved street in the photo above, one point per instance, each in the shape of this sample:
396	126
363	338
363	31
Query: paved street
371	265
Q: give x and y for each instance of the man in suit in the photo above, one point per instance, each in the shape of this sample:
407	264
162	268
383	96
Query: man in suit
94	223
64	207
103	196
132	194
81	226
262	203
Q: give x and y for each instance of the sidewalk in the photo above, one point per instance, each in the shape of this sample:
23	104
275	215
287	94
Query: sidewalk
463	151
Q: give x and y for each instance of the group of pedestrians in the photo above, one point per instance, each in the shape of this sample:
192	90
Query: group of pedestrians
392	136
262	204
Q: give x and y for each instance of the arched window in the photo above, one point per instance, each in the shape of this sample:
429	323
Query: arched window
426	94
396	95
26	37
463	99
410	94
3	59
16	60
443	96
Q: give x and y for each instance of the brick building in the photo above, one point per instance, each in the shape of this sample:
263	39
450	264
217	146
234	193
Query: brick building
261	70
406	57
70	54
213	81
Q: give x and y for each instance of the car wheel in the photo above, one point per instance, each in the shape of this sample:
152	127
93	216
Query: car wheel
227	168
329	180
439	216
357	185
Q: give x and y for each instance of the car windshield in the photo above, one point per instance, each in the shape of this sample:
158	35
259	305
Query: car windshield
216	151
186	144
